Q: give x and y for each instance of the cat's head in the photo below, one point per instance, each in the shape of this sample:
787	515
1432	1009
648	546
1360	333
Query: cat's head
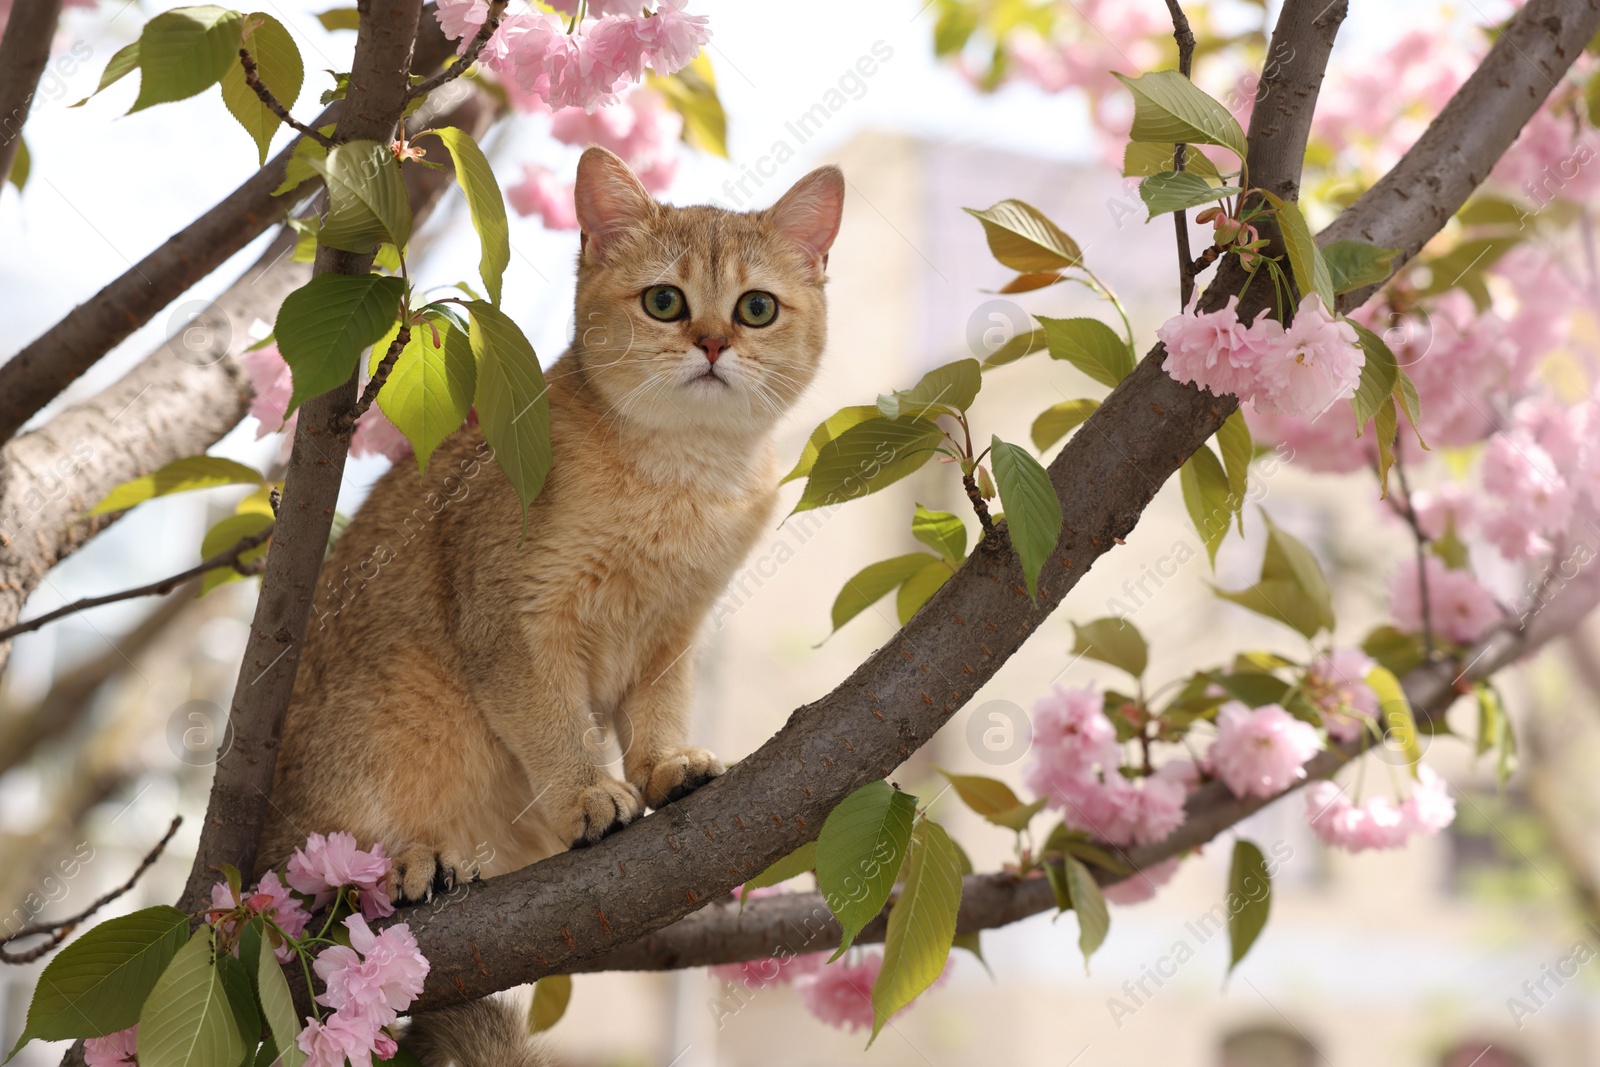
697	317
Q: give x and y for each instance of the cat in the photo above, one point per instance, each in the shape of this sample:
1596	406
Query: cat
464	686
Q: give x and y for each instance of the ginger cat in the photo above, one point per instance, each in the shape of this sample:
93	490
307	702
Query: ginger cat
464	690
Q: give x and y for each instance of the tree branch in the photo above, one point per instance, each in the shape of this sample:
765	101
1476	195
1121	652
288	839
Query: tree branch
1184	36
24	51
345	422
274	105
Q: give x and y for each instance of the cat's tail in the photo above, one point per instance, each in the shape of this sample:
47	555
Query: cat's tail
491	1032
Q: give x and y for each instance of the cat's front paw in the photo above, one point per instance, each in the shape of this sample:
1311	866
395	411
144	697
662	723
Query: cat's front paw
602	809
422	870
674	774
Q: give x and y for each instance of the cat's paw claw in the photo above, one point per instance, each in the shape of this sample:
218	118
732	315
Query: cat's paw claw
422	870
675	775
604	809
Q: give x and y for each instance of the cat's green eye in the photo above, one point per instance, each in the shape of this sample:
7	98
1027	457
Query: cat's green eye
665	302
756	308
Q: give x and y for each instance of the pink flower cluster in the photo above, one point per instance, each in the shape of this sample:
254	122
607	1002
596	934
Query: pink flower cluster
1459	609
368	984
1408	84
113	1050
327	864
533	51
1261	751
1379	823
1299	371
1337	685
273	385
840	994
1075	766
271	899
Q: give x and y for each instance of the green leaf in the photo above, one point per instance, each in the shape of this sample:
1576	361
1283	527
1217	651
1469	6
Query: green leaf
1491	718
1208	498
551	995
241	996
1032	510
1305	258
301	166
278	1006
1114	641
1021	238
1169	108
1405	394
430	388
367	200
339	18
1056	422
920	587
124	62
1356	264
485	204
1249	899
1093	920
1237	450
1065	842
1400	652
1292	588
993	800
185	51
827	430
941	531
97	983
1023	344
1385	426
280	69
323	326
513	402
179	476
871	584
21	164
1091	346
1379	375
187	1021
223	536
859	851
1141	159
867	457
1172	190
1400	728
692	93
922	924
952	387
793	865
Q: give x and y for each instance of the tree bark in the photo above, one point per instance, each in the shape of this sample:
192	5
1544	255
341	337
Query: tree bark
24	51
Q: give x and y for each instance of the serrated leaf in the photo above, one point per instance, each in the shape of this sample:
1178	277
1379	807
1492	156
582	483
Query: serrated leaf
512	400
280	69
1249	899
1027	283
1356	264
1292	588
485	204
952	387
340	18
278	1006
871	584
827	430
922	924
1385	426
1057	421
367	200
1208	498
299	169
1172	190
430	389
223	536
179	476
1238	448
1094	922
692	93
1022	238
97	983
1379	375
993	800
793	865
919	588
185	51
1400	728
187	1020
1091	346
1140	159
323	326
1023	344
1169	108
121	64
859	851
1032	509
1305	258
1405	395
941	531
868	456
241	996
551	995
1114	641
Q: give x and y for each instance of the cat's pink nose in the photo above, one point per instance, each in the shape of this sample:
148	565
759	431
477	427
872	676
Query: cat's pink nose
712	347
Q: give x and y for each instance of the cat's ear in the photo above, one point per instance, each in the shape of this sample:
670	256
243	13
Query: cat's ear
609	200
808	214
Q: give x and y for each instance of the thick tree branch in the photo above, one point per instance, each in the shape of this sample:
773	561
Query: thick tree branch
24	51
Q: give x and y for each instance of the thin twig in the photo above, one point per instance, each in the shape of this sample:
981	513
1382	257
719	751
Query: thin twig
228	558
1409	513
467	58
59	929
253	79
346	423
1180	219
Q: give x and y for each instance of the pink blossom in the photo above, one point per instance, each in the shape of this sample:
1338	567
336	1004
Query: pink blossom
375	435
767	971
1121	811
338	1038
379	982
462	18
1316	362
1071	734
540	193
1326	442
840	994
329	863
1379	823
1461	610
1450	507
1408	84
271	899
1552	157
641	129
273	385
113	1050
1336	683
1142	884
1430	807
1463	362
1260	752
1212	350
1537	500
671	38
